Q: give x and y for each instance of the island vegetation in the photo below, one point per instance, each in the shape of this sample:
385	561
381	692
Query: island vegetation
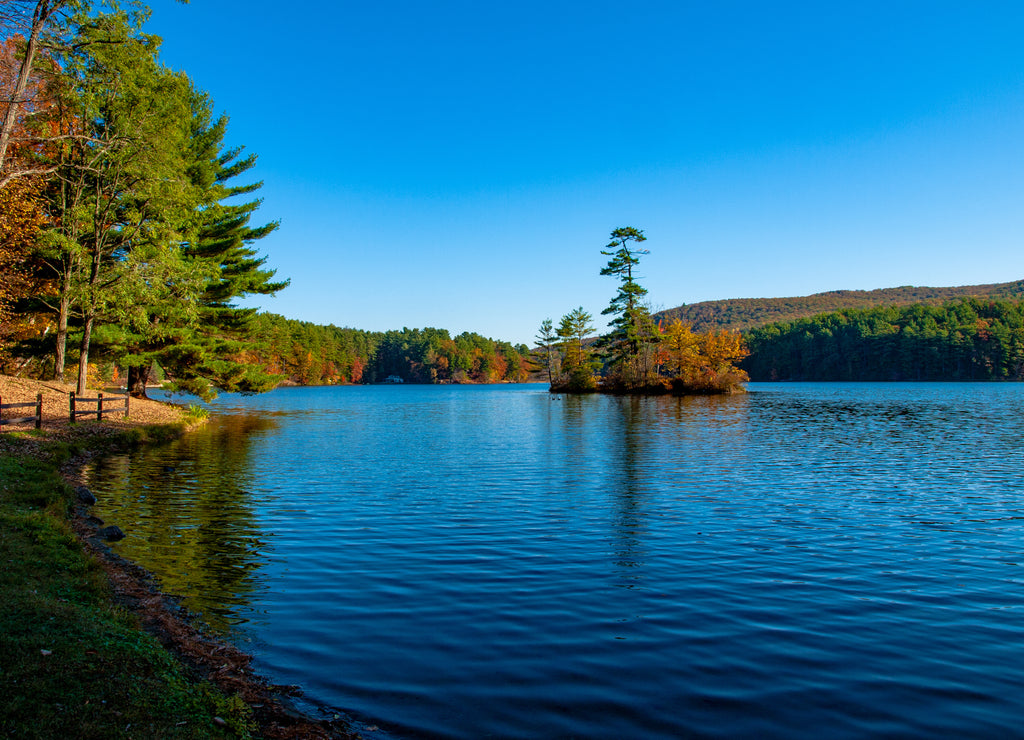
639	355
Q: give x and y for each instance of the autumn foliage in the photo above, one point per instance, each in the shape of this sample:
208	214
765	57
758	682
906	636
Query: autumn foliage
20	220
309	354
637	356
702	362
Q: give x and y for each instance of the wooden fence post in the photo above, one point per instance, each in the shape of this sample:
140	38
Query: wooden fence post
71	401
127	400
99	407
1	412
39	410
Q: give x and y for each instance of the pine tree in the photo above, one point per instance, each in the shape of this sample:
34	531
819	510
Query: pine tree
633	332
117	194
547	337
214	356
578	367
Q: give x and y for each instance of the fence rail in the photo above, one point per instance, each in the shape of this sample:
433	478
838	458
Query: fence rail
103	405
37	405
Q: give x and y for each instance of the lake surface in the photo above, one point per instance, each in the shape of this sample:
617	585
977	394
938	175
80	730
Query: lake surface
806	560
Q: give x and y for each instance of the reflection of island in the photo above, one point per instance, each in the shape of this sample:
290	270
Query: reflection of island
189	514
627	448
629	521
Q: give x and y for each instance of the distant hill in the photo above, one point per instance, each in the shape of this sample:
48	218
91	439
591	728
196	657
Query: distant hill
747	313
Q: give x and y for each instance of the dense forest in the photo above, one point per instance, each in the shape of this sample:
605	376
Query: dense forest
748	313
970	339
310	354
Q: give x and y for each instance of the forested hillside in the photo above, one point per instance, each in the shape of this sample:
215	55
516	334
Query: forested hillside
970	339
746	313
310	354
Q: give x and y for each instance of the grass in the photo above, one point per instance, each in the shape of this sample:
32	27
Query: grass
72	662
196	414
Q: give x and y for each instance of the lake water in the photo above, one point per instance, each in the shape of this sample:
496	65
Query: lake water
803	561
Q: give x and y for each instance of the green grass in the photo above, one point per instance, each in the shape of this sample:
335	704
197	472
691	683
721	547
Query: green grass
72	663
196	414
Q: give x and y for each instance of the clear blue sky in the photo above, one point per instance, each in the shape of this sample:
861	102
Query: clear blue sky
461	164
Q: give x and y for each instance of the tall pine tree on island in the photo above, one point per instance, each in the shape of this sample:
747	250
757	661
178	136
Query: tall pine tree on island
640	357
631	342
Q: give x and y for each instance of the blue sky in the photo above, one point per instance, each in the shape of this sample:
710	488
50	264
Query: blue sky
461	164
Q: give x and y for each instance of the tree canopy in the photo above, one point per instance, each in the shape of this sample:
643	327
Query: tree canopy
971	339
143	243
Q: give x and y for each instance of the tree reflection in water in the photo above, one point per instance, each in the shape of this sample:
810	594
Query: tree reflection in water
189	513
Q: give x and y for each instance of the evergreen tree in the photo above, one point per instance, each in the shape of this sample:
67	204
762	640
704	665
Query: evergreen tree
547	337
633	332
117	195
577	367
213	357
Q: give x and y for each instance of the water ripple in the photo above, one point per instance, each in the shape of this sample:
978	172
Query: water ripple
485	561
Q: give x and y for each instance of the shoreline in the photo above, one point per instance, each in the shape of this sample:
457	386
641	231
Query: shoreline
186	637
203	656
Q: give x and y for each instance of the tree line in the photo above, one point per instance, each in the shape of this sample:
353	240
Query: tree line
309	354
638	354
125	232
970	339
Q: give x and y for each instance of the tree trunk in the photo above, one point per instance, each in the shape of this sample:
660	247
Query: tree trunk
138	378
44	9
62	337
94	279
83	356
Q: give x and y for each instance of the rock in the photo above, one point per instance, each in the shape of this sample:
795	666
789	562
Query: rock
85	495
220	722
112	533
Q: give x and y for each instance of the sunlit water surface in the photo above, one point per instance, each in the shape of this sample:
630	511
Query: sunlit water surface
806	560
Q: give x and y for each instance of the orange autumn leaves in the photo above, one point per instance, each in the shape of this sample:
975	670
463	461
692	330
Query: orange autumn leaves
21	218
703	361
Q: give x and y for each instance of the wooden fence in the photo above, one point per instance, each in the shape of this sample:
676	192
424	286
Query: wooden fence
103	405
38	418
113	401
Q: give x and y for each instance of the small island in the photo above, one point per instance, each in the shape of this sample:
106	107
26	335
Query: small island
638	356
